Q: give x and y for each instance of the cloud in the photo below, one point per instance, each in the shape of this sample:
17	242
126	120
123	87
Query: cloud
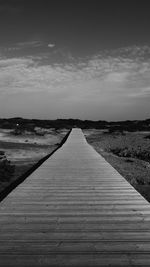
142	93
109	72
29	44
104	82
51	45
22	46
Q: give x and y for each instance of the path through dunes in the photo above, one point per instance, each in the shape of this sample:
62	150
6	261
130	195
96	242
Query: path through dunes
74	210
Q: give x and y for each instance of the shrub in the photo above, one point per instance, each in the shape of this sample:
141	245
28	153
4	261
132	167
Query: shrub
147	136
121	152
6	168
131	153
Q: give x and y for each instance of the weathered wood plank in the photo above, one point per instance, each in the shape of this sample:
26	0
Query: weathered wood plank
75	210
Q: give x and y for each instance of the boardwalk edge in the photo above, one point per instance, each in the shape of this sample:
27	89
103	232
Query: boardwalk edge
21	178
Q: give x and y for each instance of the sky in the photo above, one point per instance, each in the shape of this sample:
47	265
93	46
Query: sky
75	59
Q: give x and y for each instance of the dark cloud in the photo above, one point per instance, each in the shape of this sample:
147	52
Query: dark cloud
83	26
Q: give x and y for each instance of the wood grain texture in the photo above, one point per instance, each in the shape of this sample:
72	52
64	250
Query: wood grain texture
74	210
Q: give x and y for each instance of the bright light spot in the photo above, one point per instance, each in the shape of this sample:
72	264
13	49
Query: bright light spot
51	45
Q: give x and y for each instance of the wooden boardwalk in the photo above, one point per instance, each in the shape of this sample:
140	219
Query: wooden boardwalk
74	210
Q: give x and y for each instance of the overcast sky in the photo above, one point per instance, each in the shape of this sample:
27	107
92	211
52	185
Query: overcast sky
75	59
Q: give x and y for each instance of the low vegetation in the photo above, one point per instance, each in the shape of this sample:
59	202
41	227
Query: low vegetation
6	168
124	144
20	151
129	145
129	153
20	125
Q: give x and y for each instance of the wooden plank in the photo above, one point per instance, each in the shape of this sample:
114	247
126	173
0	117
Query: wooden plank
56	235
75	210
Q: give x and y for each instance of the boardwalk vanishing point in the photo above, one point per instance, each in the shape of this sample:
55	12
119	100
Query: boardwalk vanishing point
74	210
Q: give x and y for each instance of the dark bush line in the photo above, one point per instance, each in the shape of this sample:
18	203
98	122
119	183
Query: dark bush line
20	179
7	169
21	124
